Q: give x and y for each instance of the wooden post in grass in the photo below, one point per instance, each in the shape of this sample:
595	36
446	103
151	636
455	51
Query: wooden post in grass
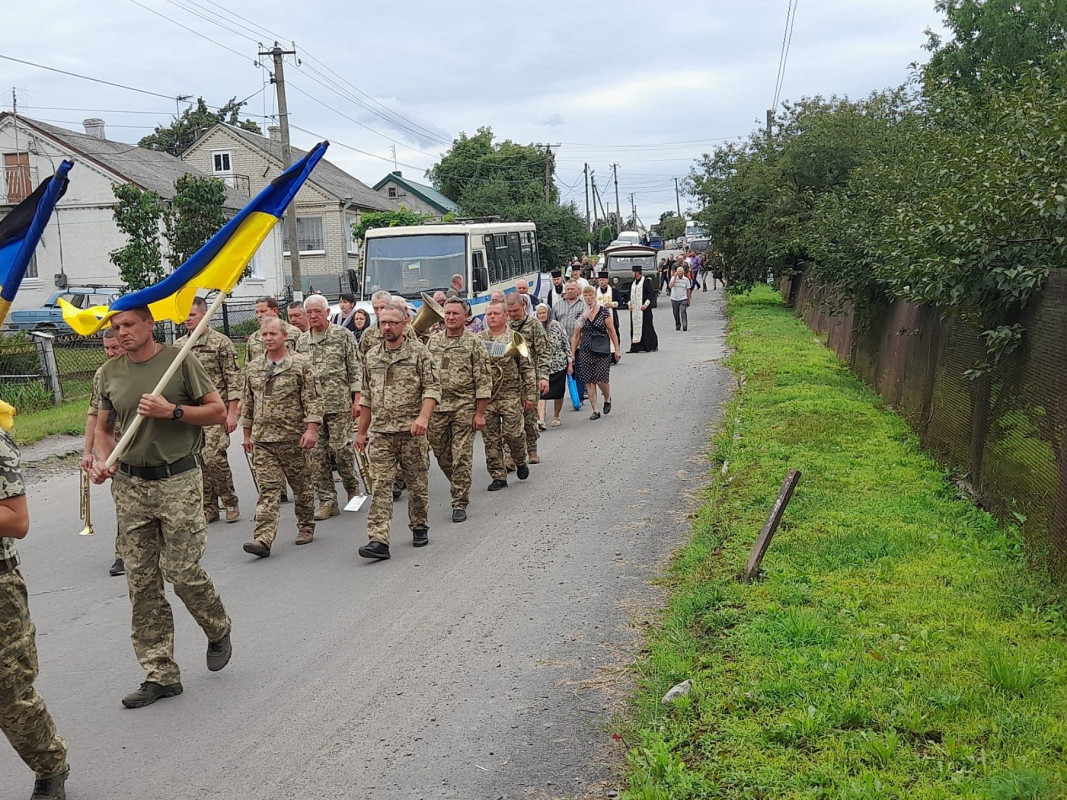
763	541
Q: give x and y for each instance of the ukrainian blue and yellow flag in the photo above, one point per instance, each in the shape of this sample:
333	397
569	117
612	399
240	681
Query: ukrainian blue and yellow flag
21	230
217	265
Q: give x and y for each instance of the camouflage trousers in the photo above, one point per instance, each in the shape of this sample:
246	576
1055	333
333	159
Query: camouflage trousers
529	421
23	716
503	428
451	436
335	440
390	454
218	480
162	536
274	464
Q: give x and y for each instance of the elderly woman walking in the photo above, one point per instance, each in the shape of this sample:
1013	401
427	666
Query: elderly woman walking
597	341
559	360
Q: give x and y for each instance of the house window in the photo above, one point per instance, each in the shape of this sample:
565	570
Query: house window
31	268
350	239
221	162
308	235
392	192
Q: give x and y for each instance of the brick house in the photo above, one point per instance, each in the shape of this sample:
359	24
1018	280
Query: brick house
327	205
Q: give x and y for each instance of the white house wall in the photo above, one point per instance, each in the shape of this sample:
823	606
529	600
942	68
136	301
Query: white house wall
82	232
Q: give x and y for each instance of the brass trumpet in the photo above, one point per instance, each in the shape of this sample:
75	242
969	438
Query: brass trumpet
363	468
84	509
427	316
498	351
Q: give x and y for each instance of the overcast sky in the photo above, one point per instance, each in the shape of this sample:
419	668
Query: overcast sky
610	82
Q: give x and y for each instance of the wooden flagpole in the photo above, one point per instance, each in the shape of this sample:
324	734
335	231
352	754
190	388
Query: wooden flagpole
129	433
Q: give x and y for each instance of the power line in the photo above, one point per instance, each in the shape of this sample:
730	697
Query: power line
87	78
787	39
193	31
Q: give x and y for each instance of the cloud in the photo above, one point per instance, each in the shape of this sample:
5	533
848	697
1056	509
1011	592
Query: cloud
553	121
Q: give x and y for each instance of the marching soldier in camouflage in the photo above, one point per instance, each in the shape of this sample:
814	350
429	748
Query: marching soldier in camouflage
112	349
218	357
158	491
280	415
24	718
400	389
466	386
514	391
533	332
372	337
331	351
266	308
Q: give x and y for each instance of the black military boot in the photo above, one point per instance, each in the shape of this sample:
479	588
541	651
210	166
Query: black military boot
420	537
50	788
149	693
218	653
375	550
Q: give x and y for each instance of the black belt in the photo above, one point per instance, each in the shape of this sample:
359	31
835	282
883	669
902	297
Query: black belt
163	470
9	565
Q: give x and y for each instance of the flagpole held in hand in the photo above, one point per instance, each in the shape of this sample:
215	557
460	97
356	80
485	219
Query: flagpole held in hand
131	431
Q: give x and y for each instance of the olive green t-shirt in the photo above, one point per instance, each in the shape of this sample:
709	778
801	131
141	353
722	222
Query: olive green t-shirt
158	441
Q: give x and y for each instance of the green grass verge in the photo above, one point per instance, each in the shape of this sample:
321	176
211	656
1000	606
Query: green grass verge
36	425
898	646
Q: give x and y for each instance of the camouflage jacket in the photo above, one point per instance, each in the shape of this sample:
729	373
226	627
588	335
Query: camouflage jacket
395	383
463	365
254	344
279	400
219	359
540	351
513	376
335	361
11	484
373	337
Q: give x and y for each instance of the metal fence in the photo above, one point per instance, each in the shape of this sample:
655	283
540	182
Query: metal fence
39	371
1005	433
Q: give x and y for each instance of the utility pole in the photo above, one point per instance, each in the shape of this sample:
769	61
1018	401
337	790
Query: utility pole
618	207
588	220
548	170
278	79
677	197
633	210
770	125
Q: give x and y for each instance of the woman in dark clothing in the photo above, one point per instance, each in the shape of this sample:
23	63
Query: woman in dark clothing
593	330
346	316
360	323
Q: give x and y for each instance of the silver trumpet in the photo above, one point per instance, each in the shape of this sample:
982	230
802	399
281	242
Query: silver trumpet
84	509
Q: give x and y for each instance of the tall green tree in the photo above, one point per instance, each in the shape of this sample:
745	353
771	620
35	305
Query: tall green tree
481	174
194	216
138	214
994	41
179	135
671	226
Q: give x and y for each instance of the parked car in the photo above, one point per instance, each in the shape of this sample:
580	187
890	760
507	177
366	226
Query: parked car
50	317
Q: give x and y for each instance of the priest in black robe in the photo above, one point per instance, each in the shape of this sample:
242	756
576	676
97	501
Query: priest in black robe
643	338
555	291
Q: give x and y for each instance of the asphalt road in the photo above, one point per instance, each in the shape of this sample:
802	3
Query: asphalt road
472	668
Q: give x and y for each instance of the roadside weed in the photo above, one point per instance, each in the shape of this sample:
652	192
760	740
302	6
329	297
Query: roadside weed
897	645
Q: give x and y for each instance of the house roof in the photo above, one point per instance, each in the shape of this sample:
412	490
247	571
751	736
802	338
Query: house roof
328	177
149	169
427	193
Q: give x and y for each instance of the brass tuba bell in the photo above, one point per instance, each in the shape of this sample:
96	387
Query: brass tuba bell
429	315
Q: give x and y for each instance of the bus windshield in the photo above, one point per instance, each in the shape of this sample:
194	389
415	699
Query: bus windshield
408	265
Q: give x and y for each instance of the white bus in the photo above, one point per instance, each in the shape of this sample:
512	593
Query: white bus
491	256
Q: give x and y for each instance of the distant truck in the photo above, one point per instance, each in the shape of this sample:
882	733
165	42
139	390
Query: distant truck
619	261
49	317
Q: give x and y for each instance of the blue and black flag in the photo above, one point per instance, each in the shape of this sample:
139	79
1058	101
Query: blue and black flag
21	230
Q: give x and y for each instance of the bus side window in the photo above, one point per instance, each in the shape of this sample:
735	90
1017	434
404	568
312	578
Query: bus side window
514	255
480	276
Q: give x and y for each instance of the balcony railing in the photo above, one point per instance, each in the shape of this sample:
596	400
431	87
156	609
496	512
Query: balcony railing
19	182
